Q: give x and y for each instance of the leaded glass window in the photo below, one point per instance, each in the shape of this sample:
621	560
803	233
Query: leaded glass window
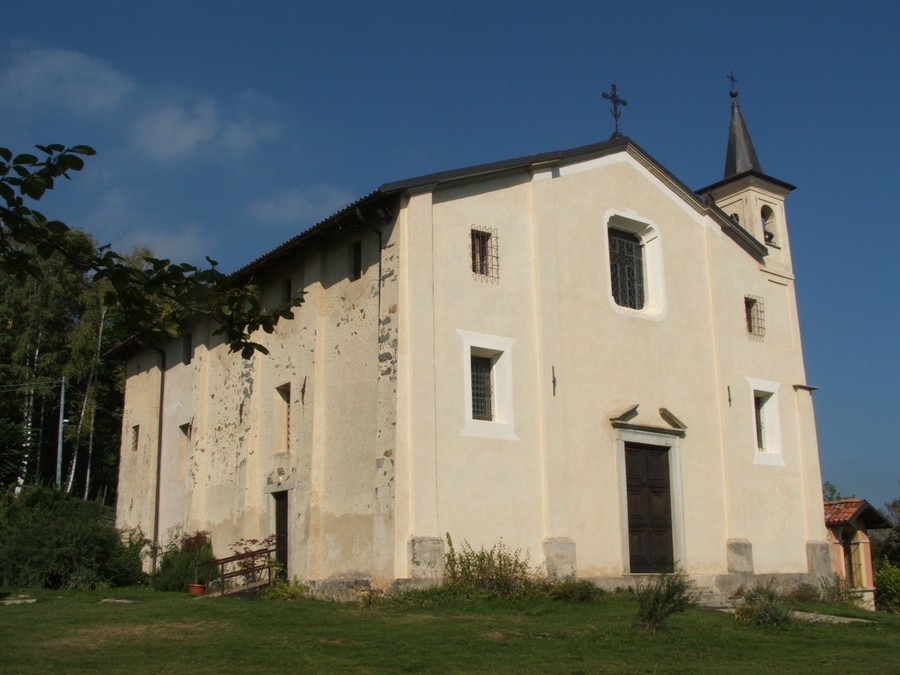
626	265
482	389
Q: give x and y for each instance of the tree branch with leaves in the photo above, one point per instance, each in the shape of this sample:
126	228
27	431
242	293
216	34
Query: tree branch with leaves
156	296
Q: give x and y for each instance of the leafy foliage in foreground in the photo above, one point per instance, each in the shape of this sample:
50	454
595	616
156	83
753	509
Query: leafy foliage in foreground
49	539
156	295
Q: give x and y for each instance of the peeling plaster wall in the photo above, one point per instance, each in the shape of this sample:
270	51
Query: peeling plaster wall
225	444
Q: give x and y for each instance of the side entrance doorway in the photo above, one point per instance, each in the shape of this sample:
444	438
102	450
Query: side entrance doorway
649	508
281	530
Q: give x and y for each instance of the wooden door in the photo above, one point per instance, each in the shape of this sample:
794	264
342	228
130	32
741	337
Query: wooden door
649	508
281	530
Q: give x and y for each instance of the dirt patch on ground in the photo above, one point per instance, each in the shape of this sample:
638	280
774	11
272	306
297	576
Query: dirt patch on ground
96	637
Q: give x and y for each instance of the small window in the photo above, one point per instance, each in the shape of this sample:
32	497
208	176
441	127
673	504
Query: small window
754	316
766	422
482	388
135	437
356	260
626	264
760	401
487	386
484	253
187	348
287	290
282	422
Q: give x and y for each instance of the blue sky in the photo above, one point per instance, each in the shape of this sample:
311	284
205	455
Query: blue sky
225	128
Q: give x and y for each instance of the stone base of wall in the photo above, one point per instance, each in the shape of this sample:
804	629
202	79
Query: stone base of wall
426	557
559	557
339	590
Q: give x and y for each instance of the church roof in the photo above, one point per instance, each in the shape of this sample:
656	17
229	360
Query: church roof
741	156
850	510
369	206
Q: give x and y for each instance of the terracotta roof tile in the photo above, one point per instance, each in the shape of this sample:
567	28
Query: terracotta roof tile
845	511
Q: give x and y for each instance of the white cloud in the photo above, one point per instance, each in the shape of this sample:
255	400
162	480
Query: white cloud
300	206
67	80
172	131
179	130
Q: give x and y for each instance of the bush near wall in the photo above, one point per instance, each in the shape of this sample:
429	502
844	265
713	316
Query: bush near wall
887	587
50	539
184	561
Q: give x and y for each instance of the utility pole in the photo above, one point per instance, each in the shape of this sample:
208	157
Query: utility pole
62	424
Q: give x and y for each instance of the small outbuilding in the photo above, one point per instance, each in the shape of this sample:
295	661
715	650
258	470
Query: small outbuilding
848	522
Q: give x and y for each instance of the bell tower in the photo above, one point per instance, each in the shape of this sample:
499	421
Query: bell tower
754	200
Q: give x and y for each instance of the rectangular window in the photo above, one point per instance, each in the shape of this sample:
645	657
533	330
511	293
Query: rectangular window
487	386
135	437
754	316
626	265
485	256
282	420
355	260
287	290
482	388
766	422
760	399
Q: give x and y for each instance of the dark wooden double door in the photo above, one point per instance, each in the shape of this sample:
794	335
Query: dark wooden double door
649	508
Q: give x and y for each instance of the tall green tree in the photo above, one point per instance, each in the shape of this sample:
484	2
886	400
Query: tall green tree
54	329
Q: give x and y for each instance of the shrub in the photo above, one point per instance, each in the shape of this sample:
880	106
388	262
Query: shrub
764	612
763	605
659	599
836	590
887	587
50	539
494	572
805	593
282	589
575	590
183	561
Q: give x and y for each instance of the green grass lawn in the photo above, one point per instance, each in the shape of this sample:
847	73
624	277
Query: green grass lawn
169	633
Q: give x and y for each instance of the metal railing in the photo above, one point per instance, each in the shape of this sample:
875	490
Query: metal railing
252	569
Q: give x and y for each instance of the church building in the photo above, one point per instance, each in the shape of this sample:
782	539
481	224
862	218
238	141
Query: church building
571	352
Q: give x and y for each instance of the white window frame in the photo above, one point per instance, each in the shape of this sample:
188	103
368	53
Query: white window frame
772	452
499	349
655	307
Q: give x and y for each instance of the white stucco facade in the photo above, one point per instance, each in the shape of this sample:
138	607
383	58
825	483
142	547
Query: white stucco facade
366	410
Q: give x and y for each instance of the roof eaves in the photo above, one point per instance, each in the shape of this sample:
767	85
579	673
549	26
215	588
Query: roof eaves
517	163
748	174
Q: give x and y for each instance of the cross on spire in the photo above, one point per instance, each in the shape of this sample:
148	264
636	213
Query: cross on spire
613	97
733	82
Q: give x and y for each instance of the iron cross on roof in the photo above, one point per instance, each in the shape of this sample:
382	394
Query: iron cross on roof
613	97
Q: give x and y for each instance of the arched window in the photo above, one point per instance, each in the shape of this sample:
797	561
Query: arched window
626	264
636	278
767	216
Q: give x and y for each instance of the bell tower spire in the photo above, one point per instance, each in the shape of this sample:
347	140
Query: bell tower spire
752	199
741	155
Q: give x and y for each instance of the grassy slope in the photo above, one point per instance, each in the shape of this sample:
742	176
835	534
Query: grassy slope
162	632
